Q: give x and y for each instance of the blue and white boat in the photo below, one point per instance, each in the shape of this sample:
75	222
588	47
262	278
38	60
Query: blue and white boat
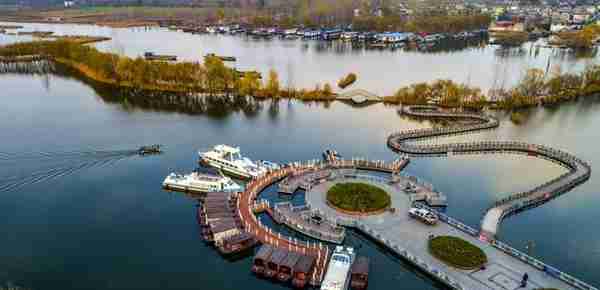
337	276
201	180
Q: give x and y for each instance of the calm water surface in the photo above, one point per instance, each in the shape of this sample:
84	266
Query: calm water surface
305	63
108	225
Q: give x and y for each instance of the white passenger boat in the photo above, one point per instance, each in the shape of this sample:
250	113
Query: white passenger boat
230	160
201	180
337	276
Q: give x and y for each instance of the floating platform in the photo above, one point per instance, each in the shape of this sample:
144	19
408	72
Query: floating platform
302	220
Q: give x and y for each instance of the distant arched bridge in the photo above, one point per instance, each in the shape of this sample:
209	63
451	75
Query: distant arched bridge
359	96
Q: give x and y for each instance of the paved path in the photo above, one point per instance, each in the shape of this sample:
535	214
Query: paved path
503	272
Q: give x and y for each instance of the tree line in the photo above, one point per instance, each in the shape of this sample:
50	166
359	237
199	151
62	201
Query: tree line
213	78
417	23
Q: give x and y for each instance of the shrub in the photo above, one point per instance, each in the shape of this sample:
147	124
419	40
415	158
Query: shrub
359	197
457	252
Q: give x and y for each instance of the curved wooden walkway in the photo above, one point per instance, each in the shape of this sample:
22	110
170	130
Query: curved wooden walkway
578	170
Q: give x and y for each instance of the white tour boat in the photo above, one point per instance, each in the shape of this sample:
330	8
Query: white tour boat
337	276
230	160
201	180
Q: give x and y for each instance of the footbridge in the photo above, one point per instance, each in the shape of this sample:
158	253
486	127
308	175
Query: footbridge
359	96
578	171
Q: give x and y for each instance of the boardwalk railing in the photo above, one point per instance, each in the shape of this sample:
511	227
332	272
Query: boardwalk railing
515	253
579	170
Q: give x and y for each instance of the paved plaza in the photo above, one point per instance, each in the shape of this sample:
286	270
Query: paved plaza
503	271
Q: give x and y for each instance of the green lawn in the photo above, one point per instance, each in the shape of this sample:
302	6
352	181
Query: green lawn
358	197
457	252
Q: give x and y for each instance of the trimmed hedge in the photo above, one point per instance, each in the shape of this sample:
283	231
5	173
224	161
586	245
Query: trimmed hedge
358	197
457	252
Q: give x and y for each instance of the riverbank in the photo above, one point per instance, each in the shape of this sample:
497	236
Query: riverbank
213	78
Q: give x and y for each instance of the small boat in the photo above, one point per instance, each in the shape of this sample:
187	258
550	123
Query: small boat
201	180
337	276
260	260
302	271
423	215
159	57
359	277
275	261
223	58
150	149
230	160
286	269
236	244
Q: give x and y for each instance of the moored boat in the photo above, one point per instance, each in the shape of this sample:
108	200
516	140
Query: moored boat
337	276
275	261
230	160
359	278
302	271
260	260
201	180
286	269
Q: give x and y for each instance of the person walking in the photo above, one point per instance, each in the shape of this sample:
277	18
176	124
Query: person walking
524	280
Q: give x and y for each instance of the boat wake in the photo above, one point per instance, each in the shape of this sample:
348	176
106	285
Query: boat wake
54	165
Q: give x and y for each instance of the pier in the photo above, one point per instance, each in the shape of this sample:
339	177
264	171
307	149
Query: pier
578	170
408	237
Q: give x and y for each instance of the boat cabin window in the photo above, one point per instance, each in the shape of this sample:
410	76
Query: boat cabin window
341	259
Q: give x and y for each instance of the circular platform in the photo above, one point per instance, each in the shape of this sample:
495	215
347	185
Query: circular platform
316	197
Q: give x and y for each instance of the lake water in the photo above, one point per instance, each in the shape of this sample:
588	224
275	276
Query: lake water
95	217
303	64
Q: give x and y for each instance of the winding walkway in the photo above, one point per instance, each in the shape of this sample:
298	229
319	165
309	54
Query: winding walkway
578	170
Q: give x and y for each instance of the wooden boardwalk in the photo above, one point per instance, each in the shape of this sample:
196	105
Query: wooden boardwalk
578	170
246	207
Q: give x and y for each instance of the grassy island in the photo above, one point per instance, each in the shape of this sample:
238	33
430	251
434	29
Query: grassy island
457	252
358	197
